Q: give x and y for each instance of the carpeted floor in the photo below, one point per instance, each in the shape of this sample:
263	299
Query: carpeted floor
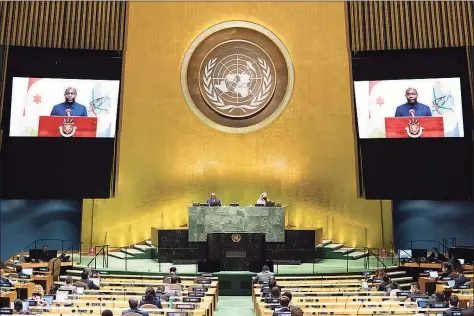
235	306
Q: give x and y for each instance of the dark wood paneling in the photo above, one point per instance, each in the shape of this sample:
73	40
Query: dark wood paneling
388	25
63	24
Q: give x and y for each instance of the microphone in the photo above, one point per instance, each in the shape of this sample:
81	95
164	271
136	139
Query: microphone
412	112
68	112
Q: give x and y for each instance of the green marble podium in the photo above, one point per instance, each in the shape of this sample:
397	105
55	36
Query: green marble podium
242	219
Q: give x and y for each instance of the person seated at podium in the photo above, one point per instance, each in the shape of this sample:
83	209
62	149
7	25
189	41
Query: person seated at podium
412	107
284	306
436	256
263	198
264	276
213	200
69	107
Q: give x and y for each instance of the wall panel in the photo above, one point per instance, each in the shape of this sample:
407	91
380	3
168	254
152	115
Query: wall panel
384	25
63	24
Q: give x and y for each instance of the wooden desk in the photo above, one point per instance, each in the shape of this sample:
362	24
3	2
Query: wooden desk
423	281
48	279
11	295
427	265
43	264
29	286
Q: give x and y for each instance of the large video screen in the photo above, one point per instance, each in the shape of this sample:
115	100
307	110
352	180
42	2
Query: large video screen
412	108
51	107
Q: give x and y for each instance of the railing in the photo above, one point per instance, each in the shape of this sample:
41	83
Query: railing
370	252
443	245
104	250
64	243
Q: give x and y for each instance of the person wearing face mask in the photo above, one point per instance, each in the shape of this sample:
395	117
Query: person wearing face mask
263	198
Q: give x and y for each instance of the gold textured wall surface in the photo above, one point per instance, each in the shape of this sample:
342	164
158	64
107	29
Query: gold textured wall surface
168	158
382	25
63	24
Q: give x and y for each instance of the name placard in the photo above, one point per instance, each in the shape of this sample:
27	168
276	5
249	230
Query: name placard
203	281
192	299
196	294
199	289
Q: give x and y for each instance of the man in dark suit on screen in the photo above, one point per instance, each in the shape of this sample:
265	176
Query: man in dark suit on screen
412	107
69	107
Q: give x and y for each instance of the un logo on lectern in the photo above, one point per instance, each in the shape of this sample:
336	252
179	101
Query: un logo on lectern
236	237
237	77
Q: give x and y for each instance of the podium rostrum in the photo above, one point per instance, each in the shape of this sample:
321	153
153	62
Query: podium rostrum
203	220
414	127
67	126
237	251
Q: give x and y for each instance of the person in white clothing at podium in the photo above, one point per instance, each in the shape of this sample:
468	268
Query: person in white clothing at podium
263	199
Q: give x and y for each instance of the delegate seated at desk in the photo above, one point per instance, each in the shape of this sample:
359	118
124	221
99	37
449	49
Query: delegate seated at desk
3	279
435	255
213	200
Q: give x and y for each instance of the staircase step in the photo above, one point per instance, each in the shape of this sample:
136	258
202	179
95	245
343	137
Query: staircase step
148	242
131	251
119	255
356	255
333	247
344	250
144	248
396	273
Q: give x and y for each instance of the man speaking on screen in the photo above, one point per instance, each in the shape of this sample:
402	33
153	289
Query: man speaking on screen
412	107
69	107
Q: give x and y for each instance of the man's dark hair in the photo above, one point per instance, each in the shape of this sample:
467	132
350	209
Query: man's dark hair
395	285
150	295
435	249
439	297
284	301
107	312
386	278
265	268
84	275
173	270
133	303
297	312
18	305
454	300
174	279
69	279
19	269
275	292
288	294
272	281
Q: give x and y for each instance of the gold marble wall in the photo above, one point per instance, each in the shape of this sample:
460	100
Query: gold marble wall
168	158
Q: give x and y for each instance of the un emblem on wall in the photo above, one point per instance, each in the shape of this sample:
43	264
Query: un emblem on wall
237	77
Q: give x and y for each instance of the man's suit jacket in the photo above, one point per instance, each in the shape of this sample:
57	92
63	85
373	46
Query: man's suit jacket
450	311
91	285
5	280
263	277
468	312
143	313
283	309
156	302
460	281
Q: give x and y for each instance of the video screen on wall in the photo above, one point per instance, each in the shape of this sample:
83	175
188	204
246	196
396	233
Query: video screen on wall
409	108
54	107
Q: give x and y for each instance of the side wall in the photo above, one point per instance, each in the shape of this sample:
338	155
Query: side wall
22	222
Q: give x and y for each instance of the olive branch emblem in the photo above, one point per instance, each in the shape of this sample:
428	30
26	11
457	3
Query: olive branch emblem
255	102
